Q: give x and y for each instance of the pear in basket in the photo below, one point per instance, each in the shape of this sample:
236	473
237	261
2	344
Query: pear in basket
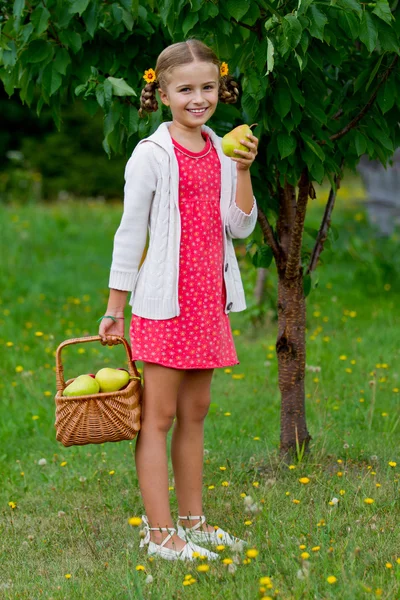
112	380
82	386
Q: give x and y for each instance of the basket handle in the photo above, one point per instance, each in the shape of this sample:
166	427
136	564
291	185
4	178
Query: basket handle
133	372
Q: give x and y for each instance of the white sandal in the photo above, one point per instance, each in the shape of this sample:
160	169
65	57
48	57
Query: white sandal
219	536
168	553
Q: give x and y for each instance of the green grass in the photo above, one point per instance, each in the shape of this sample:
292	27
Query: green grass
73	519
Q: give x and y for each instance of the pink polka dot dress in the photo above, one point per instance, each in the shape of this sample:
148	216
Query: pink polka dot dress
200	337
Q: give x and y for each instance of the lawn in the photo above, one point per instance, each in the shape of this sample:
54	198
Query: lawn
64	525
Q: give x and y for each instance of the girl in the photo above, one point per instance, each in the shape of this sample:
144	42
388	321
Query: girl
193	200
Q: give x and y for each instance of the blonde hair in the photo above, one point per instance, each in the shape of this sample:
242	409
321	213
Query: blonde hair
176	55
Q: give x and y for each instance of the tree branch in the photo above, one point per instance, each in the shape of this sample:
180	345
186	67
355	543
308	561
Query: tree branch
325	224
294	254
269	237
355	121
287	212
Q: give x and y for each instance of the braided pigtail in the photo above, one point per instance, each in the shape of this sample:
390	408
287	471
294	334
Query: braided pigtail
148	100
228	90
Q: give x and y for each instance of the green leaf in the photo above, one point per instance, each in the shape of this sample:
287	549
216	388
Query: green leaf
189	22
90	18
263	256
312	232
292	30
40	19
120	87
286	144
270	57
307	284
382	10
237	8
71	39
108	93
100	94
79	89
38	51
318	21
386	95
18	8
127	19
61	61
350	24
360	143
368	31
282	100
374	72
388	39
130	119
78	6
313	146
51	79
349	5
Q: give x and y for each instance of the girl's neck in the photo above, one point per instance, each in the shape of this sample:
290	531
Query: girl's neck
191	139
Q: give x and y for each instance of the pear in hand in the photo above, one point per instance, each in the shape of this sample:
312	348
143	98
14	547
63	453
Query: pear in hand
111	380
231	141
82	386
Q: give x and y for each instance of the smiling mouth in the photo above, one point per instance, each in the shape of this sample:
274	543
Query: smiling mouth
197	111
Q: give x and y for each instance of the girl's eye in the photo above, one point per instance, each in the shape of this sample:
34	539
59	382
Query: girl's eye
205	87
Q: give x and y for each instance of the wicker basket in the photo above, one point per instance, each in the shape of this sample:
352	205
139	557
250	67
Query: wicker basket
97	418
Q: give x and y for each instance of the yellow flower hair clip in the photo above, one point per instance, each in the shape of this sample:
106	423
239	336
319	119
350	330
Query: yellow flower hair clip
223	70
149	76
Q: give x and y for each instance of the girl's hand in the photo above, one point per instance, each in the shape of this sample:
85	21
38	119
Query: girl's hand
109	329
245	159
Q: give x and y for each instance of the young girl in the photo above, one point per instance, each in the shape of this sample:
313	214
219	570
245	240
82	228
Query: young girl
193	200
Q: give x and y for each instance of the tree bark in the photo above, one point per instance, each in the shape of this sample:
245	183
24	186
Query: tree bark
291	352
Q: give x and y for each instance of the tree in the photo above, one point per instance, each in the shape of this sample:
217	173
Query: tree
320	78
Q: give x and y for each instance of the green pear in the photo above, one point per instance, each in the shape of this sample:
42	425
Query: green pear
111	380
231	141
82	386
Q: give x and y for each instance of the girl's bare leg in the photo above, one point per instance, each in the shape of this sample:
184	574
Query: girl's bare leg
160	394
187	447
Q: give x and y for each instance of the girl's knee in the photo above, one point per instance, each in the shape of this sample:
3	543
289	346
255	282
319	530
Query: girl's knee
195	411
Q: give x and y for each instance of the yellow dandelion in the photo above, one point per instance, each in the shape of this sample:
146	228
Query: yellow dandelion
398	561
63	463
331	579
203	568
391	463
378	485
68	576
135	521
149	76
304	555
12	505
252	553
265	581
369	500
295	501
227	414
211	487
246	561
256	484
19	369
236	332
47	393
292	467
256	438
342	357
223	468
238	376
287	493
111	472
38	333
9	344
227	370
388	565
315	548
227	561
342	492
35	417
140	568
225	483
339	474
248	522
302	546
224	69
220	548
304	480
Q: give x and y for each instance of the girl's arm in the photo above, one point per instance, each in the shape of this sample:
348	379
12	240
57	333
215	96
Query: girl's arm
115	308
244	192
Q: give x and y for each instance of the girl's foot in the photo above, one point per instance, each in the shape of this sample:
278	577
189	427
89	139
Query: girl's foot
202	533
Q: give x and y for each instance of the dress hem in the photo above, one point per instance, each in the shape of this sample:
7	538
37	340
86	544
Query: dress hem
185	368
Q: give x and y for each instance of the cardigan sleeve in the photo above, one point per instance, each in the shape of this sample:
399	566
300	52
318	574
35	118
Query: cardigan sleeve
240	224
141	174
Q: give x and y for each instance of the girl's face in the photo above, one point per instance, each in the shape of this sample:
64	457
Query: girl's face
192	93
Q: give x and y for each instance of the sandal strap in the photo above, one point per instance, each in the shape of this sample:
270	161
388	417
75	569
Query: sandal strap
147	528
192	518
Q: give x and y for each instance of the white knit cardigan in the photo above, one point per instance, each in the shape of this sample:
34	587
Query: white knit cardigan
151	201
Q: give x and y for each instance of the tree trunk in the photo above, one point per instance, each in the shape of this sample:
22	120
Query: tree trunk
291	351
